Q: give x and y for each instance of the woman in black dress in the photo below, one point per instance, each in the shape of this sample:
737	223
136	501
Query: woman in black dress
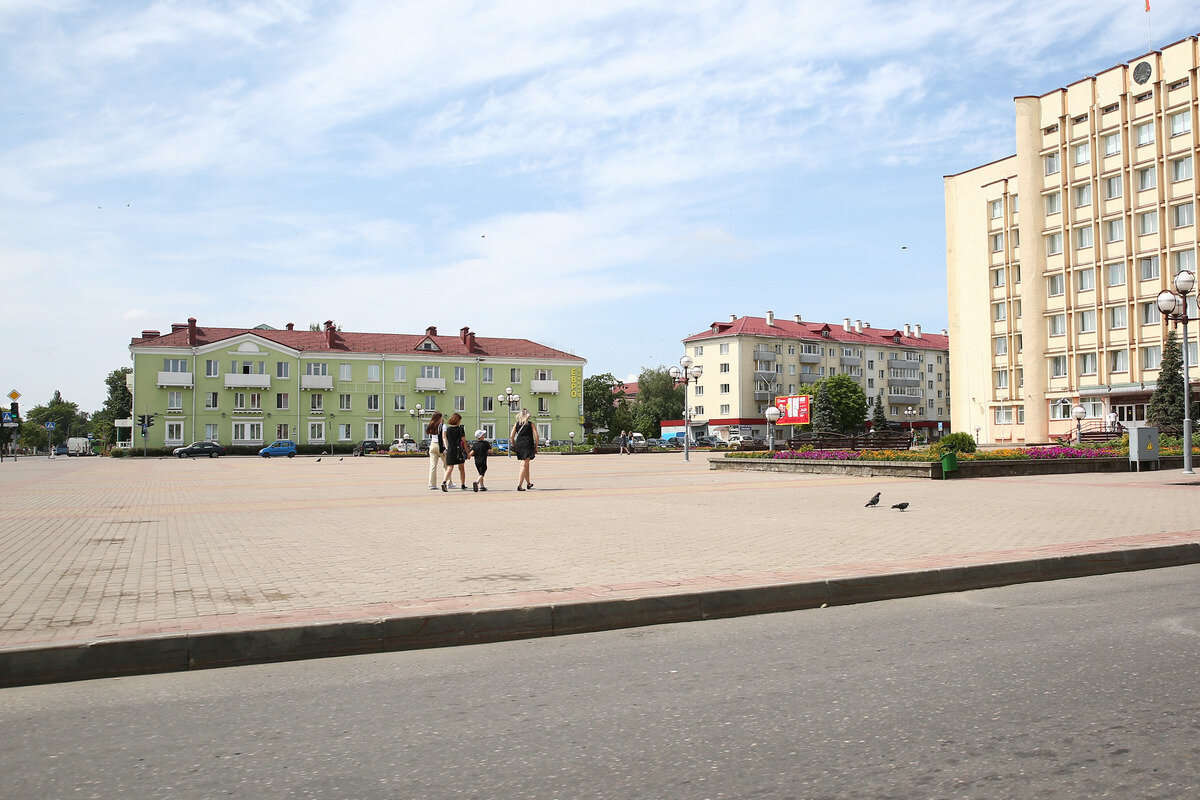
524	438
456	453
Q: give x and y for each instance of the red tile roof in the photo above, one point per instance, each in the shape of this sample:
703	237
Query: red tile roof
630	389
811	331
350	342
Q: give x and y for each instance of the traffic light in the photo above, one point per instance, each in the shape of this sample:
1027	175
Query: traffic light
149	420
141	420
16	410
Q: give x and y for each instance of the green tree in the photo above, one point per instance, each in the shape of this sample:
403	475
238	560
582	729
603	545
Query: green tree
824	416
848	401
1166	404
879	420
118	405
599	400
67	418
658	399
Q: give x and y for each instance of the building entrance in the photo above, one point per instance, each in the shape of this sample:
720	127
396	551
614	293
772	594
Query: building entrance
1130	413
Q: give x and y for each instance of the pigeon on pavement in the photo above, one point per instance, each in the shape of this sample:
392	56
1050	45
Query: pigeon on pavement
901	506
318	461
874	501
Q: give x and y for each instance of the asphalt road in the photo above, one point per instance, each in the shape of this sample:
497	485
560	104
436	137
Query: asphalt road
1076	689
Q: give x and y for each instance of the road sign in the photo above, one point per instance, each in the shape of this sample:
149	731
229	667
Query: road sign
14	395
7	416
89	436
939	426
49	426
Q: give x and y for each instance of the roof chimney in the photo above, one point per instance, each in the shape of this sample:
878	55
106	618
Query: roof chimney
329	331
796	317
858	326
178	326
845	323
462	333
907	329
945	332
917	330
150	334
192	336
771	318
470	342
290	326
733	317
431	331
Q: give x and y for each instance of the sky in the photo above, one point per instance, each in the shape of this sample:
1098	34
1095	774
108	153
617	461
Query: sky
604	178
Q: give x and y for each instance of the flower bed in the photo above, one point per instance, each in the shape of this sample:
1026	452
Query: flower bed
927	456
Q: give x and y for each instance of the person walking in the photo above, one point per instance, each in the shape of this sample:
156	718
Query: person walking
453	437
434	431
479	449
524	437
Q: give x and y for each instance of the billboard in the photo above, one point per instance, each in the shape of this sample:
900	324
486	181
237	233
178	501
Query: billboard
793	410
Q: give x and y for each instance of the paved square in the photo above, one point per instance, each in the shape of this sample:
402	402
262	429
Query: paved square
103	547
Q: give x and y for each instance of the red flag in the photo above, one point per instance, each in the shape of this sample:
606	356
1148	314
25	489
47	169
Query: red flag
1147	6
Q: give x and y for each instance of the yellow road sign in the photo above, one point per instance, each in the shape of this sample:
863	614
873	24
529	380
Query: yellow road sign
14	395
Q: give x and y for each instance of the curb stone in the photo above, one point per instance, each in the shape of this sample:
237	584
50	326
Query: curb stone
138	655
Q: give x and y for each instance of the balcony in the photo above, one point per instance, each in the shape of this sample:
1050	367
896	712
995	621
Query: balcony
902	398
901	363
851	361
543	387
810	358
904	382
175	379
766	377
324	382
762	397
236	380
764	355
431	384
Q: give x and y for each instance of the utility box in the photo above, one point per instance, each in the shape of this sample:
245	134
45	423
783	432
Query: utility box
1143	447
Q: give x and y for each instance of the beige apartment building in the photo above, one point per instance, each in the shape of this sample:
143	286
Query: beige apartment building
749	361
1055	255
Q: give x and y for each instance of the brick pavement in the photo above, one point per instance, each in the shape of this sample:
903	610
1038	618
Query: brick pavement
95	548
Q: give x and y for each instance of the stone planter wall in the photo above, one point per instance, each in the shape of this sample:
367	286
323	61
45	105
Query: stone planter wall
919	469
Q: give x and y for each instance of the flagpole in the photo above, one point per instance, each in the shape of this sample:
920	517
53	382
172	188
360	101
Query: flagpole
1149	37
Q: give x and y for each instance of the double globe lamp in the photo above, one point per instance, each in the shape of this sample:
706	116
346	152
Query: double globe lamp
1174	306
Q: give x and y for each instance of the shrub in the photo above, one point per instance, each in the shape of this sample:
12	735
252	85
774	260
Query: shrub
960	442
117	452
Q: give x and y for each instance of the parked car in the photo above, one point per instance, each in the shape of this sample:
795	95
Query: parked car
366	447
79	446
61	450
655	443
674	441
283	447
637	441
708	441
197	449
501	445
406	444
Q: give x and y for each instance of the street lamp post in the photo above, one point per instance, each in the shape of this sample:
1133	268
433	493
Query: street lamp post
511	400
911	413
1078	412
571	434
772	415
688	374
1173	306
419	415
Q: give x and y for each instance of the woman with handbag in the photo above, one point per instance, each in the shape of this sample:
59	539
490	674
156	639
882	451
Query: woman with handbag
524	438
434	431
454	443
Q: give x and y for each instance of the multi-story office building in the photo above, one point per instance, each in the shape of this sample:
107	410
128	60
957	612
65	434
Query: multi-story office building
749	361
247	386
1052	297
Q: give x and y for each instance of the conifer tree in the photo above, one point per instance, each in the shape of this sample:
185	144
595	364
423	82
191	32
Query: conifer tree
878	416
1166	404
824	417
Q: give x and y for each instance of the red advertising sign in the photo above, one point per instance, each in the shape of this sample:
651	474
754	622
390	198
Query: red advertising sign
793	410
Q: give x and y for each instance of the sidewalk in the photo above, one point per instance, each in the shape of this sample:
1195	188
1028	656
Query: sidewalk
122	566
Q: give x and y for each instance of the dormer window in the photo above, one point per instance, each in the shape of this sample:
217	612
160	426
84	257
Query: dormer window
428	344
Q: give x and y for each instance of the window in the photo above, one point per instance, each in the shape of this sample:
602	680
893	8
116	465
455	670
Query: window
1085	279
460	374
1057	324
256	401
697	351
400	373
1184	259
1055	285
1053	203
283	369
1054	244
997	277
175	365
247	431
1082	152
281	401
212	368
1147	222
1178	84
282	430
486	374
725	367
399	402
1052	163
1151	357
1058	367
373	402
344	372
543	374
316	368
1004	415
210	432
1112	187
373	372
1146	179
1013	204
239	401
1000	346
514	375
723	349
699	390
1087	321
210	400
1000	378
997	242
316	432
999	312
344	432
1114	230
1117	317
1181	169
488	404
1112	144
698	411
436	372
343	402
1087	363
724	388
1116	273
1083	195
316	402
1148	268
460	402
1179	123
1144	133
175	432
1149	313
1182	215
430	402
174	401
1118	361
1083	237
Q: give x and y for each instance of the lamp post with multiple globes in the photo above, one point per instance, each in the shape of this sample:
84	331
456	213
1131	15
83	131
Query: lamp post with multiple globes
512	400
687	373
1174	306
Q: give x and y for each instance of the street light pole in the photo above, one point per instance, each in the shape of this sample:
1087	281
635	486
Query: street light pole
687	373
772	415
1078	412
511	400
1174	307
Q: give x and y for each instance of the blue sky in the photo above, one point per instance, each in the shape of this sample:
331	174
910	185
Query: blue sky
605	178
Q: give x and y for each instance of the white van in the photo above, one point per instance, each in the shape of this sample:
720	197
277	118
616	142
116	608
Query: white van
79	446
638	441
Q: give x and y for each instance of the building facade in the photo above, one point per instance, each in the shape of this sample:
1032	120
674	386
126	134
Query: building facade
250	386
1055	255
749	361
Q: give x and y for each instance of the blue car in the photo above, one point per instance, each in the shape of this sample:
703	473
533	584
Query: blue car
501	445
284	447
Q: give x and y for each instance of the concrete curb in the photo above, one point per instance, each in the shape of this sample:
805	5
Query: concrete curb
106	658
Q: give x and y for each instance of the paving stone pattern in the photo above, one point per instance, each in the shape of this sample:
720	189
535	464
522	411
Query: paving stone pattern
93	548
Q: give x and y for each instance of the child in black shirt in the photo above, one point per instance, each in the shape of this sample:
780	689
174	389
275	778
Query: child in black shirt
479	449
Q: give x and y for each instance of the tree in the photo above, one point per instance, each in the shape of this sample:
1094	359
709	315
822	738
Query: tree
118	405
1166	404
599	400
67	418
879	420
824	417
849	402
658	399
316	326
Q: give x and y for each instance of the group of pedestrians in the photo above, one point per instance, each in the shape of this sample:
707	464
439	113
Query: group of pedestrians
449	448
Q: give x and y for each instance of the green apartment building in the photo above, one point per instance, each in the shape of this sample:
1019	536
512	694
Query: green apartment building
251	386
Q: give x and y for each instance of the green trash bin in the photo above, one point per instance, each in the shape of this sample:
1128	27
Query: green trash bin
949	463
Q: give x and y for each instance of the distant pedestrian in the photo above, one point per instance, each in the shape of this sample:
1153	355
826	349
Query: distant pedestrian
434	431
479	450
524	438
622	443
455	451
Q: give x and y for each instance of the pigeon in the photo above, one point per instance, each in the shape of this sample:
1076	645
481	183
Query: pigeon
874	501
318	461
901	506
343	458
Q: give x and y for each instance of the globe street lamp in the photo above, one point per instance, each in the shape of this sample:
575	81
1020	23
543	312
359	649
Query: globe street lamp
772	414
572	435
1175	308
512	400
687	373
419	415
1078	412
911	413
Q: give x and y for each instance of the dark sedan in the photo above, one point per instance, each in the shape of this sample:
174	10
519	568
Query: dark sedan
197	449
366	447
